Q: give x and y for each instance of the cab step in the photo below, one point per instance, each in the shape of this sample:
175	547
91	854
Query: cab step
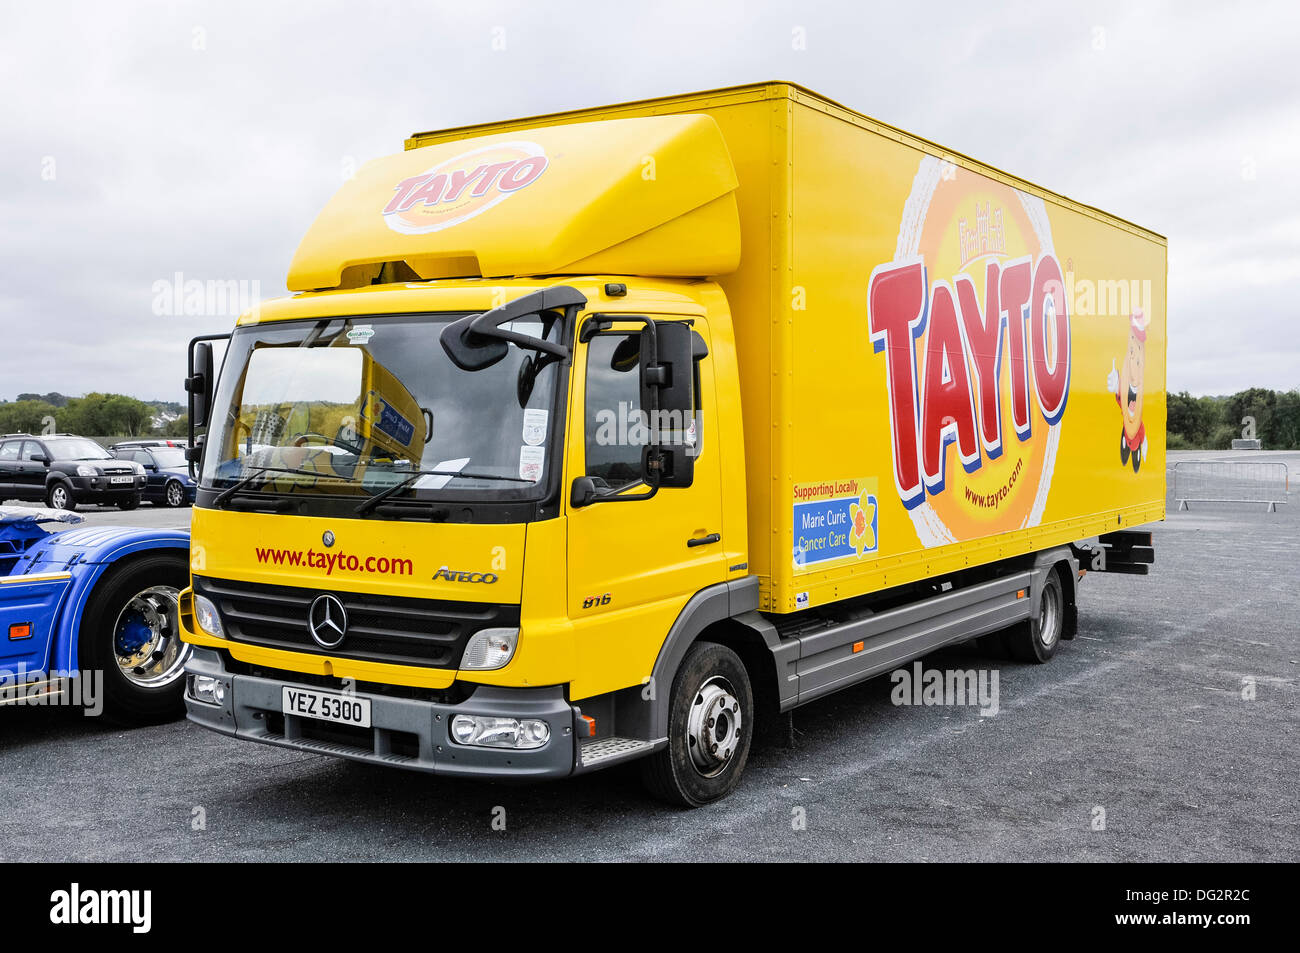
601	751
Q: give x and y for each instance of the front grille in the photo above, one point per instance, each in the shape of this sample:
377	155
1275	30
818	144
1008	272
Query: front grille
395	629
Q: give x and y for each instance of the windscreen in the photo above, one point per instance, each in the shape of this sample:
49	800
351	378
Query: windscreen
355	406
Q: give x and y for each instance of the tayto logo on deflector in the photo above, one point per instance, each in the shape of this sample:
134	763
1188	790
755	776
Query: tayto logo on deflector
464	186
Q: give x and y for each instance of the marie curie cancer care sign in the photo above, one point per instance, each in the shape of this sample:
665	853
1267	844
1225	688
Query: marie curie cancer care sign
834	520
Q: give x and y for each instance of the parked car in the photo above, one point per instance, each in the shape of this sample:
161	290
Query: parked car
167	474
64	470
149	442
98	600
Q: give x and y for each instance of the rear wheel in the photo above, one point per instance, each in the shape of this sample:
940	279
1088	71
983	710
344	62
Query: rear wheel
131	633
710	727
59	497
1037	638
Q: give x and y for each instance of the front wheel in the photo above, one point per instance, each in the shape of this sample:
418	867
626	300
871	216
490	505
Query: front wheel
710	726
131	633
59	497
130	503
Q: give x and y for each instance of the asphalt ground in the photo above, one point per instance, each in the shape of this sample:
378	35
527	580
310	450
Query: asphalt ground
1167	731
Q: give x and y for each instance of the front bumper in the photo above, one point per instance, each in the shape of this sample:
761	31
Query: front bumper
92	489
405	733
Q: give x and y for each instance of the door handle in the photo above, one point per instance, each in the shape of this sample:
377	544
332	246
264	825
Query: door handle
704	540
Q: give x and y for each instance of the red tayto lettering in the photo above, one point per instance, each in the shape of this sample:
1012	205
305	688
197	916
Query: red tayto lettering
340	561
433	188
954	397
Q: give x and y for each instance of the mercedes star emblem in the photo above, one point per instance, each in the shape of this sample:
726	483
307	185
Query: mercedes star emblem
328	538
327	620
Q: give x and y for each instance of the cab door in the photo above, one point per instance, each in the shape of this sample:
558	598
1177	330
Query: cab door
634	564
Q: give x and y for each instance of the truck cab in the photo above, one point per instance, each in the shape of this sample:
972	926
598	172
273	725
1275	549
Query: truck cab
450	524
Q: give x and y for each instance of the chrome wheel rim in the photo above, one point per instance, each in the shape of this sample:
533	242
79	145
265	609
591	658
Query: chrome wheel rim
59	497
1048	614
146	638
174	494
713	726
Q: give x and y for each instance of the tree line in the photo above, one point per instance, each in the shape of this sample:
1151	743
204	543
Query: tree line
95	415
1212	423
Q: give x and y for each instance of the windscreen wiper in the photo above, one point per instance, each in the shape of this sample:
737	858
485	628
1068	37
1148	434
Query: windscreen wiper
234	488
415	475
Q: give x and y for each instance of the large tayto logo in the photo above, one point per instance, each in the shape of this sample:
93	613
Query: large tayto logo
971	320
328	621
464	186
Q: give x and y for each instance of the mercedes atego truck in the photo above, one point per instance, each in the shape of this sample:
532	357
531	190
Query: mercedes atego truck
597	436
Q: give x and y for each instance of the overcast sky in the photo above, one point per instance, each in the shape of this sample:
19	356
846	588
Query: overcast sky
145	140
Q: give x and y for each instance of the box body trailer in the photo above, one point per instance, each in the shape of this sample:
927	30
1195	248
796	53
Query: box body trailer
721	402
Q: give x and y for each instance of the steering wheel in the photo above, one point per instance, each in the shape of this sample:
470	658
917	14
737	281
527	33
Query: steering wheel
300	439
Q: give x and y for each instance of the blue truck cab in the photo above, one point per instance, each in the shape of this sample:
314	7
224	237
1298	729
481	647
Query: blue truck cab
98	602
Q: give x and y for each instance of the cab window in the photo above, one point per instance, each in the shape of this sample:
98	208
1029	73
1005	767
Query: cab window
615	431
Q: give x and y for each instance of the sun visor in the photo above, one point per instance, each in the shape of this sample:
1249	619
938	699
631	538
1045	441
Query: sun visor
650	196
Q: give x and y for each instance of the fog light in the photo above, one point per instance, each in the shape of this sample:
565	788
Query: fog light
206	689
489	649
489	732
205	614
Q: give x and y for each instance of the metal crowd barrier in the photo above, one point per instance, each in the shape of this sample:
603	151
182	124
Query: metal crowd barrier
1230	483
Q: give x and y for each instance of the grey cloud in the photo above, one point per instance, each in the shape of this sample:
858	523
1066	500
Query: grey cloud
212	162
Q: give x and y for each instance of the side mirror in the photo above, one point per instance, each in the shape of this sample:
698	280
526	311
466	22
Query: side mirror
667	379
199	385
41	458
584	492
151	467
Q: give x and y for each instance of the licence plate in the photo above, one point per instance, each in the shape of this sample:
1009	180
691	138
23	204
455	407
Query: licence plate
326	706
123	479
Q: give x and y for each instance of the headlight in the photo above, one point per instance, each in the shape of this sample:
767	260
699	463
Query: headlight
83	470
207	689
489	649
205	614
492	732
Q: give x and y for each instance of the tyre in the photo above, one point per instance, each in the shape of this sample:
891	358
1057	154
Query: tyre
130	503
130	632
710	727
59	497
174	493
1037	638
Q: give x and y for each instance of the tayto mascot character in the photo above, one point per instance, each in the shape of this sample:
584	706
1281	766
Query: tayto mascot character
1125	383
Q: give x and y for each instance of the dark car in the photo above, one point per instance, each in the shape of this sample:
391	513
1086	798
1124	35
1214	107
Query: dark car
168	481
64	470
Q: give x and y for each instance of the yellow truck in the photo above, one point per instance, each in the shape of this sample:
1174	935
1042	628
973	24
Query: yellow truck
862	396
